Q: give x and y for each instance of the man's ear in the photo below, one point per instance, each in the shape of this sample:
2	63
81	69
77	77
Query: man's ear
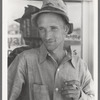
66	29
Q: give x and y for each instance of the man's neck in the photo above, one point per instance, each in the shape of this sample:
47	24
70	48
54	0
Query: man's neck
58	55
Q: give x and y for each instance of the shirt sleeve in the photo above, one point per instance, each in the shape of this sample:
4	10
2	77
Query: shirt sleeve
87	88
16	77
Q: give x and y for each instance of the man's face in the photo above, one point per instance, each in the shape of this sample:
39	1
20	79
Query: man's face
52	30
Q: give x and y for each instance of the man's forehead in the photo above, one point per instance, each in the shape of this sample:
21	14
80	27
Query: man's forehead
51	16
48	14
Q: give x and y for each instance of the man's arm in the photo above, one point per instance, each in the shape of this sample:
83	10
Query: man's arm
87	88
79	90
16	77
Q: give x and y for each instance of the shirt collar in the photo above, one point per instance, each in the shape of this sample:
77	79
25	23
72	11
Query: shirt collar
74	62
43	54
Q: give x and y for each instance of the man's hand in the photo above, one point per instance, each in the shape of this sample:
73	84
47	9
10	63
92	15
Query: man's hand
71	89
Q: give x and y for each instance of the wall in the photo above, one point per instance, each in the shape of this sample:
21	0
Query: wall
88	29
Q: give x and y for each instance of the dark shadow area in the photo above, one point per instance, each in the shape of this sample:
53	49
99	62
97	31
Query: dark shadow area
98	49
0	49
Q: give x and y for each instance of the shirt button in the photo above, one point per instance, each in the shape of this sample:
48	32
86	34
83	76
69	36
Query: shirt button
58	69
56	89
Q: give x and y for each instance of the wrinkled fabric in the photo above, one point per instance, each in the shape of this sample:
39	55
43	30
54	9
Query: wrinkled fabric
35	75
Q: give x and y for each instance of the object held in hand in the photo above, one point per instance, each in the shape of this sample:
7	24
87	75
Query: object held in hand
74	86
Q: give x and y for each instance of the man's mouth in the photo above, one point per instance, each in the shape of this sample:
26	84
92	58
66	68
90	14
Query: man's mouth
49	42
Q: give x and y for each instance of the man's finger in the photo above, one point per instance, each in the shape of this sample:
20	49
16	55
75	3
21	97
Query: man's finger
68	87
64	92
71	96
76	82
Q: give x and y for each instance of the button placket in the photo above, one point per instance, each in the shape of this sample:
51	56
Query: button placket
56	79
57	84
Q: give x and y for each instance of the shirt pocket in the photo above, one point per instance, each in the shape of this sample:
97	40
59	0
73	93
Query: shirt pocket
40	92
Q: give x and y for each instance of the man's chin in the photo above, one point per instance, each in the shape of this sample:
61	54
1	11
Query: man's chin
50	47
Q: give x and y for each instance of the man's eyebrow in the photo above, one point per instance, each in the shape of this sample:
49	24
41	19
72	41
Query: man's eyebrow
49	4
54	26
40	27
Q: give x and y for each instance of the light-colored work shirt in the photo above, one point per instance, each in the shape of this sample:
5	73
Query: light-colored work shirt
35	75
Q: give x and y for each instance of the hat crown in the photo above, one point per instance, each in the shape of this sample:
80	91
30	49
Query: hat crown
59	4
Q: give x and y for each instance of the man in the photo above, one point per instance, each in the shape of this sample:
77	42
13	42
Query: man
50	72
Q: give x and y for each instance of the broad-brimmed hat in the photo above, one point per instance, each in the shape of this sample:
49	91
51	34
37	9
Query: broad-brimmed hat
54	6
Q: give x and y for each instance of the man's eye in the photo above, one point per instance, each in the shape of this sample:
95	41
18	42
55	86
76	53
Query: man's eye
40	28
54	28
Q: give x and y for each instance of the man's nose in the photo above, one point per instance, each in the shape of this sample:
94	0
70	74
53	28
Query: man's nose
48	34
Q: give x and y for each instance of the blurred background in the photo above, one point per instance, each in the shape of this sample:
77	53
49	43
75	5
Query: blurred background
23	35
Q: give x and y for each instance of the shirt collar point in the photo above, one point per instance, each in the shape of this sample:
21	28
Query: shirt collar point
74	61
42	53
